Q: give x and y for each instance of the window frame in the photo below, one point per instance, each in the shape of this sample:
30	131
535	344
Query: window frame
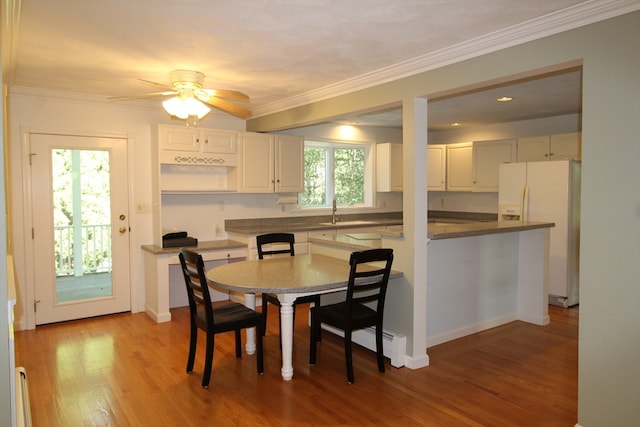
369	172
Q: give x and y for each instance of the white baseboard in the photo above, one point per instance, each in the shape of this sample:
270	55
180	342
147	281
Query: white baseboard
471	329
394	346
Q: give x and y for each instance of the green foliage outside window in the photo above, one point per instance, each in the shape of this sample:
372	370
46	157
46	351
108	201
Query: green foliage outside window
333	171
349	175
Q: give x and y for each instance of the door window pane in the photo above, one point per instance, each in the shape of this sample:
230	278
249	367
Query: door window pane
82	224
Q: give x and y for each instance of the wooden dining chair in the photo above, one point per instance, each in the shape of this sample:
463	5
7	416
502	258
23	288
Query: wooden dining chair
367	287
214	320
288	239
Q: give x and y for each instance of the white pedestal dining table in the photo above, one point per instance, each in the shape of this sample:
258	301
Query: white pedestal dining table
288	277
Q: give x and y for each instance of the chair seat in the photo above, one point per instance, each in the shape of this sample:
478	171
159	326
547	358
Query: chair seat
334	315
231	316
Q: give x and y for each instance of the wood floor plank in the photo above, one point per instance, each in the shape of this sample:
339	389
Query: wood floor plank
126	370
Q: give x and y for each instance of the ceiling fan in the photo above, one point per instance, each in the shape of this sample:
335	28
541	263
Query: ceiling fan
187	97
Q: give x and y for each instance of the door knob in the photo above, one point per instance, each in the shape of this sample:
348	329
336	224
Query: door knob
122	230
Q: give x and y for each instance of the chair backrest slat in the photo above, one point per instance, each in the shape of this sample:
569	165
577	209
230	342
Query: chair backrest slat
271	238
196	284
368	283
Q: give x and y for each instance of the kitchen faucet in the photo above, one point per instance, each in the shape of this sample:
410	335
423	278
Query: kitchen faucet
335	208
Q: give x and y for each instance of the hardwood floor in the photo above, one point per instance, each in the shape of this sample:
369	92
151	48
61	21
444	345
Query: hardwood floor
126	370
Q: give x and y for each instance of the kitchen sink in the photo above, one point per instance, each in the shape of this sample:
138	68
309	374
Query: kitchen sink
347	223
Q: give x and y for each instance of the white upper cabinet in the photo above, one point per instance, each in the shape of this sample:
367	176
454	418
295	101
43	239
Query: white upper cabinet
388	167
270	163
195	146
436	167
549	147
289	164
460	166
474	166
487	158
533	149
565	146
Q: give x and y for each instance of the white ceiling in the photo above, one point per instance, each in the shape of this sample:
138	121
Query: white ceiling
272	50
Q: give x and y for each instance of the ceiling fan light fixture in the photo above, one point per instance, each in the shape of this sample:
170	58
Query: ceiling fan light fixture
185	107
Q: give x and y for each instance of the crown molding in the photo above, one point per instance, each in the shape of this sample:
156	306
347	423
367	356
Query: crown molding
566	19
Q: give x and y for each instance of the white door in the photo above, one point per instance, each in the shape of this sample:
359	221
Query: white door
80	226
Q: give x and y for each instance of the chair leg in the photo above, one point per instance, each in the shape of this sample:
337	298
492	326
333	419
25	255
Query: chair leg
208	361
193	339
379	348
348	357
312	340
264	314
316	303
238	344
259	349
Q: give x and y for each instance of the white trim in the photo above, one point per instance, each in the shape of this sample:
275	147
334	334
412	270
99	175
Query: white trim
471	329
563	20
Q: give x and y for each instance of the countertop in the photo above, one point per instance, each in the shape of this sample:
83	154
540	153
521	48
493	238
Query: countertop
361	241
214	245
439	230
311	223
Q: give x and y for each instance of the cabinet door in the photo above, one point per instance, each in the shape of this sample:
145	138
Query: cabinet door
255	163
174	138
436	167
218	141
289	164
460	167
388	167
565	146
533	149
487	158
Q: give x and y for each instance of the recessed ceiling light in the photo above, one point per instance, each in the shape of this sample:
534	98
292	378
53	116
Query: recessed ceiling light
505	99
455	124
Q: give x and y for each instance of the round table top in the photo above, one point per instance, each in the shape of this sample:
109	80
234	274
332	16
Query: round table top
293	274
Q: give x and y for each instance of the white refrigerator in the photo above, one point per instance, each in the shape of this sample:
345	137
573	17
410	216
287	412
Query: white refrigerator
548	191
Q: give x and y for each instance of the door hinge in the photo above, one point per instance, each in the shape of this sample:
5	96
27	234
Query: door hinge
35	305
33	233
31	158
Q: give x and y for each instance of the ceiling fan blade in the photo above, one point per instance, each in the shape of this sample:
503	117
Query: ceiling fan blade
227	107
145	96
160	85
232	95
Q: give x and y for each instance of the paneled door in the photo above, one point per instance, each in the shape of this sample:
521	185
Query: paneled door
80	226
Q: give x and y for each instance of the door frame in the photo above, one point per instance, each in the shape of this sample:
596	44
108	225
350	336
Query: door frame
29	253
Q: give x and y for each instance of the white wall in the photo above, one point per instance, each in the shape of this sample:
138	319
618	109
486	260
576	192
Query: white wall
75	114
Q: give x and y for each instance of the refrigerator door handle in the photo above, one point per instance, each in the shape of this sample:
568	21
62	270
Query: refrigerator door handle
525	203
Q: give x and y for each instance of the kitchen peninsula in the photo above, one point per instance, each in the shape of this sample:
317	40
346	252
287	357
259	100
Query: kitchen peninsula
480	273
